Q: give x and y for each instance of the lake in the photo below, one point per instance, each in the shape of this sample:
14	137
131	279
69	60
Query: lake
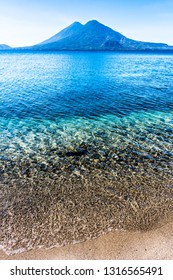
86	145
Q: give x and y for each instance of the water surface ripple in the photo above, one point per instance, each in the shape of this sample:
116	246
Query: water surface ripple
86	145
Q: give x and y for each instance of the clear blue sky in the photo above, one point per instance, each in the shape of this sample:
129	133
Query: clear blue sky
27	22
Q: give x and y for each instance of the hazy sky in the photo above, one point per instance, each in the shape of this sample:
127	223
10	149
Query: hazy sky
27	22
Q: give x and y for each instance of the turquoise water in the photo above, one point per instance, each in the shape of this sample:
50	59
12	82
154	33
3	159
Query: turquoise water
86	145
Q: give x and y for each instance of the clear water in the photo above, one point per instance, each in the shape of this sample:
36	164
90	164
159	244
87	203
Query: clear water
86	145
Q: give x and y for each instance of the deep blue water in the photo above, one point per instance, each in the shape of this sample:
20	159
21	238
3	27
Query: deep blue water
80	113
84	92
84	84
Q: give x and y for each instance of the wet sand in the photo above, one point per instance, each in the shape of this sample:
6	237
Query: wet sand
156	244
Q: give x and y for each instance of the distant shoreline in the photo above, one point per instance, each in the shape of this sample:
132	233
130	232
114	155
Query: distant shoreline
89	51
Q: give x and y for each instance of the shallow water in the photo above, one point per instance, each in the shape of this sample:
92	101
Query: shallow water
86	145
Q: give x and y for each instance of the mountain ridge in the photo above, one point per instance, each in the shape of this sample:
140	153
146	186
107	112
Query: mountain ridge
4	47
94	36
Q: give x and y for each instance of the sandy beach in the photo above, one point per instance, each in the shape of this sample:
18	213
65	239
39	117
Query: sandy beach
156	244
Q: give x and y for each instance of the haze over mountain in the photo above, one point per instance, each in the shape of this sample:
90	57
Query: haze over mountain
94	36
4	47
